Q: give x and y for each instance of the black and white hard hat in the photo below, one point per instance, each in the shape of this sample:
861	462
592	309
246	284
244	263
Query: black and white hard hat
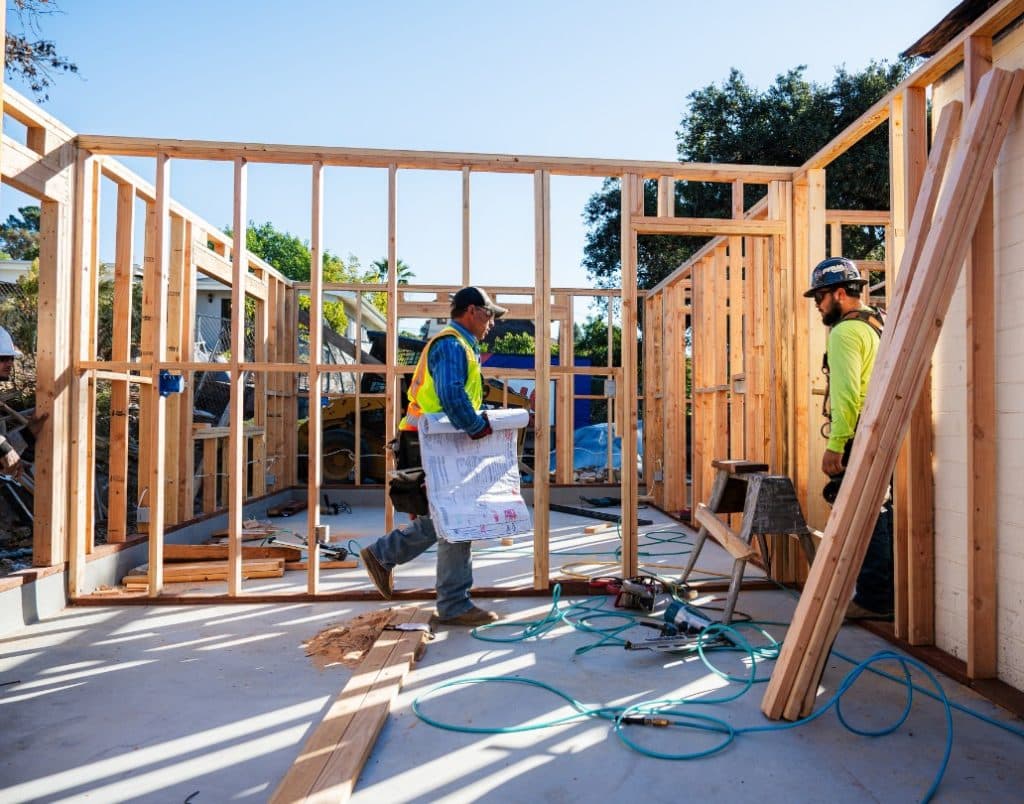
832	273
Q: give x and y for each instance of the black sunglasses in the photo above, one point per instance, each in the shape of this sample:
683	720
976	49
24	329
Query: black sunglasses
821	294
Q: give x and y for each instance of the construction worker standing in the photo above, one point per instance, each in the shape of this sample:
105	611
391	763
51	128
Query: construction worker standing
447	379
853	338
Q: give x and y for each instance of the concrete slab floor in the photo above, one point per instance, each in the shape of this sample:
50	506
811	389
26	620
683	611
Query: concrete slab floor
213	703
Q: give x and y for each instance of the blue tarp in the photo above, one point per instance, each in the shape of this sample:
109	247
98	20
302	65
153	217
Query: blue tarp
590	449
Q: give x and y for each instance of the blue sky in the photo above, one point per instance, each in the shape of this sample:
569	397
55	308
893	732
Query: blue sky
597	78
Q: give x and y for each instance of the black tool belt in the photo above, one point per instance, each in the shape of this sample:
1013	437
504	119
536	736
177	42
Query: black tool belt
407	488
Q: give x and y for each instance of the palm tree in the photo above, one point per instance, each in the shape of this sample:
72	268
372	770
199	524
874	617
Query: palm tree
404	271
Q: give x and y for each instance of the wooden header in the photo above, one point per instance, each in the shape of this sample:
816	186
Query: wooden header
425	160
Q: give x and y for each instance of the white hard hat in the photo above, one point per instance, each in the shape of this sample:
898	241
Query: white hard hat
7	348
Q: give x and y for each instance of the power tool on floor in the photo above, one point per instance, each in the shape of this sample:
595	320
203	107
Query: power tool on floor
637	593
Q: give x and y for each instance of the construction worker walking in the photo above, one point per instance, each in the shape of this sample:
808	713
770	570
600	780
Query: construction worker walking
447	379
854	335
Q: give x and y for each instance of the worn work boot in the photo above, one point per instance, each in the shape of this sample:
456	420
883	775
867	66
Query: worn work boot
383	579
857	612
472	618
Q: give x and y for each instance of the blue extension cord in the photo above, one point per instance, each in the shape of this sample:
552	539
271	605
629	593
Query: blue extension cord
669	713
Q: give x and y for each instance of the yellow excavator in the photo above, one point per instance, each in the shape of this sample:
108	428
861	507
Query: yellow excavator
339	421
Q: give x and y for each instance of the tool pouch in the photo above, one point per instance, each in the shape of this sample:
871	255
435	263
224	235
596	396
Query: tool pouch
408	492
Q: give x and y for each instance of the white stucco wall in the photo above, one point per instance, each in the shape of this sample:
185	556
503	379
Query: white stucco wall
950	410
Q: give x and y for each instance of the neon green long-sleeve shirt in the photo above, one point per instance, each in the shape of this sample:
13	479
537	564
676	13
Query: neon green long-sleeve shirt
852	348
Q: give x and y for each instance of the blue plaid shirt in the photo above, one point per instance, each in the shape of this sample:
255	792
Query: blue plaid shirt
447	363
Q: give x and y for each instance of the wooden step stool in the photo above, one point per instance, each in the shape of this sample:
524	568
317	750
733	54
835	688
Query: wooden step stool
768	504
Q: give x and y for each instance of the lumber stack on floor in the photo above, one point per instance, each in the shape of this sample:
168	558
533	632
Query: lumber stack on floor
927	280
192	571
348	563
219	552
332	758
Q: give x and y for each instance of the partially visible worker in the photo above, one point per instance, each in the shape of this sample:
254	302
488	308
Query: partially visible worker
447	380
852	346
11	454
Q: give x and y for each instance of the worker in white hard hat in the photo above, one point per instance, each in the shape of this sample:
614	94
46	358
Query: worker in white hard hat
11	447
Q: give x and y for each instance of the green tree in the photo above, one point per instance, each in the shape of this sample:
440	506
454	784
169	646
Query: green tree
515	343
735	123
19	235
404	271
28	56
291	256
591	340
518	343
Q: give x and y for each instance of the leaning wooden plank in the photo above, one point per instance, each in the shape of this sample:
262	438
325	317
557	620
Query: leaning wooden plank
903	362
905	355
217	552
982	499
946	135
732	543
325	768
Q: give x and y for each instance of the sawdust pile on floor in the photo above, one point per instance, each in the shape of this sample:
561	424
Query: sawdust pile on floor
347	643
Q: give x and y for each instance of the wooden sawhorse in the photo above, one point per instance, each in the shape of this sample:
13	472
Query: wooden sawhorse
768	504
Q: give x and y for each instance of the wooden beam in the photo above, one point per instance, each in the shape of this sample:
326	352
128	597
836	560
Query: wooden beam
858	217
914	522
710	227
392	380
566	389
187	323
174	432
426	160
42	177
334	754
213	265
542	369
120	351
465	227
813	336
626	389
80	520
730	542
157	325
234	464
982	499
316	356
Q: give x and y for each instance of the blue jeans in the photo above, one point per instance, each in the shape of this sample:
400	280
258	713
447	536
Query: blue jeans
454	562
874	583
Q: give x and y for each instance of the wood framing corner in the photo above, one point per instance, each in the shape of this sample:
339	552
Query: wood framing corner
330	762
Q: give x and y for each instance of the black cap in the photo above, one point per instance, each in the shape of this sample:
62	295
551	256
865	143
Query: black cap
479	297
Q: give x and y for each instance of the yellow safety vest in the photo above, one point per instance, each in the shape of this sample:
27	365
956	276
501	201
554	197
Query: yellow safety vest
422	394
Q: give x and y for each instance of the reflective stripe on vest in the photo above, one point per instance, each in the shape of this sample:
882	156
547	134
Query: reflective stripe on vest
422	394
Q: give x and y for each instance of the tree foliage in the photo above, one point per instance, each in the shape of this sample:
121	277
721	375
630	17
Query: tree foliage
291	256
405	273
519	343
29	57
735	123
19	234
591	340
515	343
